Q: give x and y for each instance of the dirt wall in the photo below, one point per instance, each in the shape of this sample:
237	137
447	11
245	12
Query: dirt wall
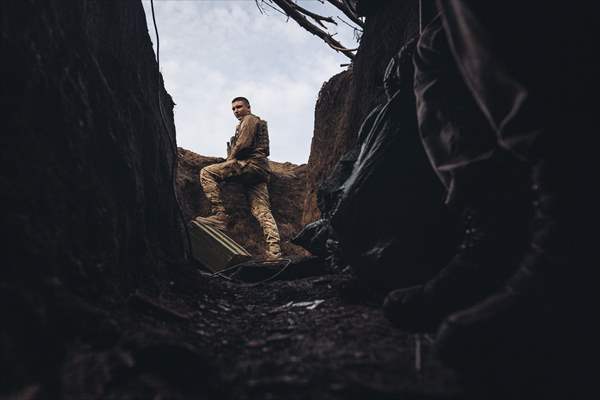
347	98
86	158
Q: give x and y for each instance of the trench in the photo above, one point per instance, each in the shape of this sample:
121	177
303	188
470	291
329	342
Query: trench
96	299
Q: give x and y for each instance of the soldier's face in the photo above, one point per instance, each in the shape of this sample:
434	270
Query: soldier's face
240	109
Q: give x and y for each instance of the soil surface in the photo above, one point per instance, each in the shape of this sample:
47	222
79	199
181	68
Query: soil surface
202	335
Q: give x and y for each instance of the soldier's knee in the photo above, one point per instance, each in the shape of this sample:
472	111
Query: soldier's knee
259	213
265	218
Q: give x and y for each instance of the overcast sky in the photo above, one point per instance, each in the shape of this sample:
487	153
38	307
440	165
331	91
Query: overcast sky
214	50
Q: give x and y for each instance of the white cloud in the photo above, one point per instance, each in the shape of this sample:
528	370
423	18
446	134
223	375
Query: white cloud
212	51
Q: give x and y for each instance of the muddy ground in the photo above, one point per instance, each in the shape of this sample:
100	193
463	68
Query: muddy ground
204	336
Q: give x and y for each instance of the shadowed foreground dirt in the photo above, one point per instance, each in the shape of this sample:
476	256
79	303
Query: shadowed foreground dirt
204	336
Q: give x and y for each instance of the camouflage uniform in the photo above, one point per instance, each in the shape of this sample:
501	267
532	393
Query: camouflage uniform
247	163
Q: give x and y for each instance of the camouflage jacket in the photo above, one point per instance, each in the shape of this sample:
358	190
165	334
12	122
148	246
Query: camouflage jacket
250	142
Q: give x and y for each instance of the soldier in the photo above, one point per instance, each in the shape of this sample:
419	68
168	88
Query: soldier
247	163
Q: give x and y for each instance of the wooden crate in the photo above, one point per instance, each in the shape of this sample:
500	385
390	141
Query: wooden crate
214	249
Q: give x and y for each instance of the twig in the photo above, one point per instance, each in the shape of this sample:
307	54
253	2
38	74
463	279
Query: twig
316	17
340	18
276	9
258	6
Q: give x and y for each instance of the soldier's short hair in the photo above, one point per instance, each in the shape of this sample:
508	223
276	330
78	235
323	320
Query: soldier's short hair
240	98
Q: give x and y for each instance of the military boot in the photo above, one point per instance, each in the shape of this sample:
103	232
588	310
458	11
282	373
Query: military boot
218	220
523	320
495	220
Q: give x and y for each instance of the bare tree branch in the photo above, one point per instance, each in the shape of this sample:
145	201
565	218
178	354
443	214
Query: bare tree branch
293	11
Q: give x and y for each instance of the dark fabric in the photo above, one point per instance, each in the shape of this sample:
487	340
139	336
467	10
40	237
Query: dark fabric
504	77
487	59
529	66
531	69
408	219
454	131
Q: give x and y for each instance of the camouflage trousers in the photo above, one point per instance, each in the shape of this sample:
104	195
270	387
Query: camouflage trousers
255	182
